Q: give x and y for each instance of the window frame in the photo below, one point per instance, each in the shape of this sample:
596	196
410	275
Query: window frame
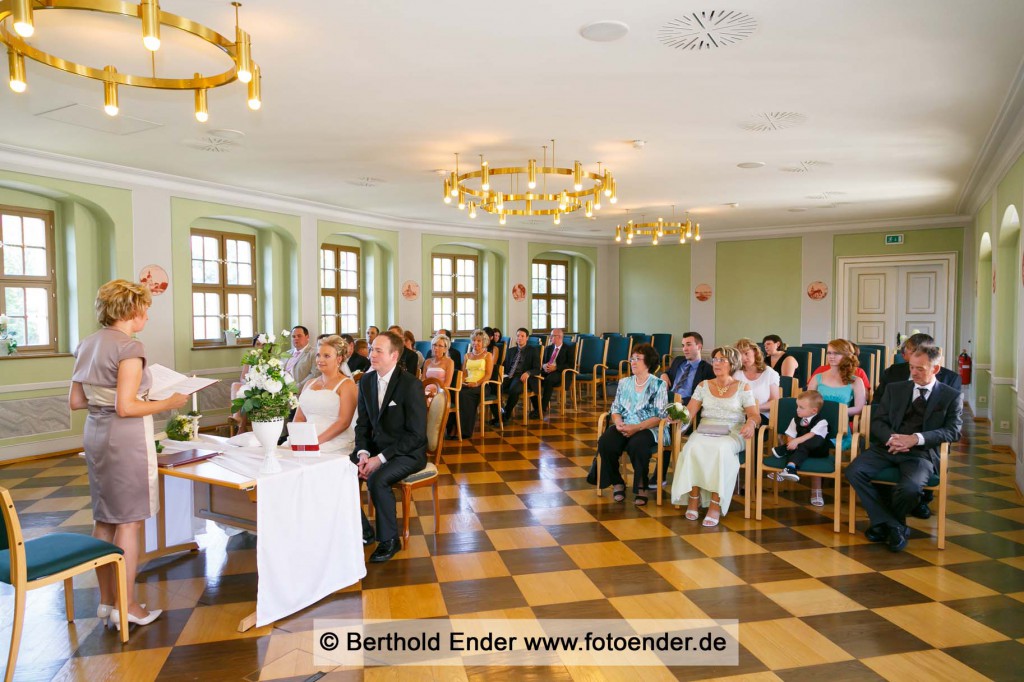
454	295
48	282
549	297
223	289
337	292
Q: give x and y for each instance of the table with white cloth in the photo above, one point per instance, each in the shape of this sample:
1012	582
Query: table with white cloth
306	517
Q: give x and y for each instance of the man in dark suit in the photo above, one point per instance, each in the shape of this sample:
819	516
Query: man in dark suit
455	355
907	428
521	363
556	360
407	359
355	361
682	378
391	437
900	371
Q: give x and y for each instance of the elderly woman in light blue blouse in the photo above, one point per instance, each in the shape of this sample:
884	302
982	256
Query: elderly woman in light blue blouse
706	471
640	402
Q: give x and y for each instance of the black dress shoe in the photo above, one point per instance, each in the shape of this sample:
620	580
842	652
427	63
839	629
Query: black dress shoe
921	511
385	550
535	415
877	533
368	537
898	537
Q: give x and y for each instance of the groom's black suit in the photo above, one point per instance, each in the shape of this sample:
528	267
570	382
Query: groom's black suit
396	429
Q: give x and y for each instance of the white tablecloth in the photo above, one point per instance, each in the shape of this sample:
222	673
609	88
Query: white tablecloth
310	535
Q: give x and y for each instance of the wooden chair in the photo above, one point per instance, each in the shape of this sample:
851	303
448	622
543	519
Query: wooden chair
663	344
453	399
890	476
789	387
659	447
437	417
590	369
567	386
495	400
803	364
617	357
30	564
783	411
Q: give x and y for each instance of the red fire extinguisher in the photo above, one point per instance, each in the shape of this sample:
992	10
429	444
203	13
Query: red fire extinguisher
964	365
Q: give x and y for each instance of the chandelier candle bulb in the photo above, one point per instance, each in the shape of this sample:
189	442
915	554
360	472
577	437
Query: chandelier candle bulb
149	13
462	200
696	233
472	209
618	233
589	210
202	113
485	179
22	11
256	89
110	104
577	176
16	63
501	219
531	174
243	56
558	218
608	180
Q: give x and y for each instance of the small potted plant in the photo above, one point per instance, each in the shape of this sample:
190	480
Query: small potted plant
8	342
179	428
231	336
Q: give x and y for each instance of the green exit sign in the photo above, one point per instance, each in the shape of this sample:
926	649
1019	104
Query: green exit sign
894	239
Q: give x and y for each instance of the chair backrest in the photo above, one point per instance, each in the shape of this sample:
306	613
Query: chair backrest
838	421
357	375
461	345
803	363
639	337
619	348
592	352
424	348
817	352
784	411
662	343
869	363
572	352
536	340
12	537
608	335
437	417
789	387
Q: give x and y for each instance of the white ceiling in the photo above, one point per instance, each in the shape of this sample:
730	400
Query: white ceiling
898	99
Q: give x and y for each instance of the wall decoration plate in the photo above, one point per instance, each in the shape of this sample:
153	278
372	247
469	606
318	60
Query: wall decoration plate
702	292
817	290
154	277
410	290
519	292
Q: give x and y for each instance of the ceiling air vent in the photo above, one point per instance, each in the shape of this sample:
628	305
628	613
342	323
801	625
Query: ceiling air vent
215	144
707	30
366	181
804	167
771	121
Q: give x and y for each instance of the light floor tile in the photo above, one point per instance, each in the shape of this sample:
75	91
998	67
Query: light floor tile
789	643
558	587
637	529
558	516
533	487
664	605
469	566
602	554
821	562
218	623
55	504
807	597
22	494
952	554
79	518
406	601
695	574
723	544
521	538
922	665
939	625
490	503
939	583
131	666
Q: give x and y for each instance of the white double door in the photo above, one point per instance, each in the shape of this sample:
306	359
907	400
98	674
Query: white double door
899	294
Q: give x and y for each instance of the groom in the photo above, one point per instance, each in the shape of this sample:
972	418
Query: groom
391	437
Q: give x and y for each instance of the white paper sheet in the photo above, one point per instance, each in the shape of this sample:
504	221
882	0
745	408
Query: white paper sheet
167	382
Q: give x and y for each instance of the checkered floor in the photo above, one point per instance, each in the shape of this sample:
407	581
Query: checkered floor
523	535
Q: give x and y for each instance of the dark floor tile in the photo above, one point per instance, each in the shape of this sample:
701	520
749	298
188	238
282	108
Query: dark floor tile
994	574
627	581
801	516
741	602
982	501
454	505
225	660
468	467
568	484
980	486
748	665
516	475
998	612
163	632
49	520
514	518
485	489
864	634
537	560
982	520
10	473
398	572
546	500
579	533
44	481
594	609
761	568
878	557
999	660
780	539
70	491
487	594
653	550
533	673
616	511
992	546
458	543
874	590
847	671
340	605
227	589
180	566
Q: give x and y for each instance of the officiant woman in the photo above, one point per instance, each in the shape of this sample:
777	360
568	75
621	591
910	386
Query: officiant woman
111	380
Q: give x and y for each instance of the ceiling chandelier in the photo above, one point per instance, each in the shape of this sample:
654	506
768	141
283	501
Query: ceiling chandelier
152	18
660	228
532	190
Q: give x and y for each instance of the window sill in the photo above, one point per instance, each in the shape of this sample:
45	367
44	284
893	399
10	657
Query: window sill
221	346
27	356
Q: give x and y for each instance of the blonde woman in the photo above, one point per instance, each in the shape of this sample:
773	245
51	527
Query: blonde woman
762	379
329	400
477	367
439	366
110	379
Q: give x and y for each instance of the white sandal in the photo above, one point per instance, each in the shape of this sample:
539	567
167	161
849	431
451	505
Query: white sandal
817	499
693	514
709	522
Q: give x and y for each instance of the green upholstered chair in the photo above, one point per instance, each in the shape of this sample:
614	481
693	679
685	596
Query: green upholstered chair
617	358
30	564
437	417
663	344
591	366
789	387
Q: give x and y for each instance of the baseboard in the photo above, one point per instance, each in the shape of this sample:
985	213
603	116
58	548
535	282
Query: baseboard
1003	439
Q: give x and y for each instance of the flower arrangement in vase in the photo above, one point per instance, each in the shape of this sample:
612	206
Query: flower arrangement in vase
8	339
268	395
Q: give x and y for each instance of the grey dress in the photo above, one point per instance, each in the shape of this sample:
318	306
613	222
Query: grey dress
119	451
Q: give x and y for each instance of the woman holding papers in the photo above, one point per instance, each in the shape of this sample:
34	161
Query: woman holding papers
110	379
329	401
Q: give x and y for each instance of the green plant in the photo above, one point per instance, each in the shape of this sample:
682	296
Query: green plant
159	447
678	412
179	428
234	330
269	392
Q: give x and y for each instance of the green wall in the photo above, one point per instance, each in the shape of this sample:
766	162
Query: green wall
493	264
379	278
654	289
758	289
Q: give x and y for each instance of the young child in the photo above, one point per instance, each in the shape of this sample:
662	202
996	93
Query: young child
808	435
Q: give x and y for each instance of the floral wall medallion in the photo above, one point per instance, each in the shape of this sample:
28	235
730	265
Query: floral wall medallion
519	292
703	292
410	290
154	277
817	290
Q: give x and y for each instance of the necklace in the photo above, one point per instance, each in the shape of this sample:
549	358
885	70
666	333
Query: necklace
722	390
640	387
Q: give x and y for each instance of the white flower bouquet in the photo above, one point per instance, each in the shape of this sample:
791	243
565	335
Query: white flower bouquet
269	392
678	412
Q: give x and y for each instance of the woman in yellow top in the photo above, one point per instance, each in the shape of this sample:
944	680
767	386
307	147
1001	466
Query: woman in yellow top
477	367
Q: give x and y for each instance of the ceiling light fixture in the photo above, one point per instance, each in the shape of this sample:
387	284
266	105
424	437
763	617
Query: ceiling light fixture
483	189
151	17
657	230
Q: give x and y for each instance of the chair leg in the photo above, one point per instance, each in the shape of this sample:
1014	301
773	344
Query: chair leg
853	511
660	476
942	515
483	412
458	424
437	512
69	599
406	506
121	574
17	624
837	523
760	487
746	490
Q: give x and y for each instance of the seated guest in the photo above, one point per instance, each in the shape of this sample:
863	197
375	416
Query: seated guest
439	366
495	346
409	360
777	357
477	370
391	437
685	374
706	471
521	363
356	361
807	433
371	333
328	400
914	418
362	350
640	402
300	364
762	379
410	343
453	353
556	360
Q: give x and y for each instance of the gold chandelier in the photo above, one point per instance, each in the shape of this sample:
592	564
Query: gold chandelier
528	192
152	18
660	228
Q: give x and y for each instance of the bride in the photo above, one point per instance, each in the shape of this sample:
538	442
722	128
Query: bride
329	401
